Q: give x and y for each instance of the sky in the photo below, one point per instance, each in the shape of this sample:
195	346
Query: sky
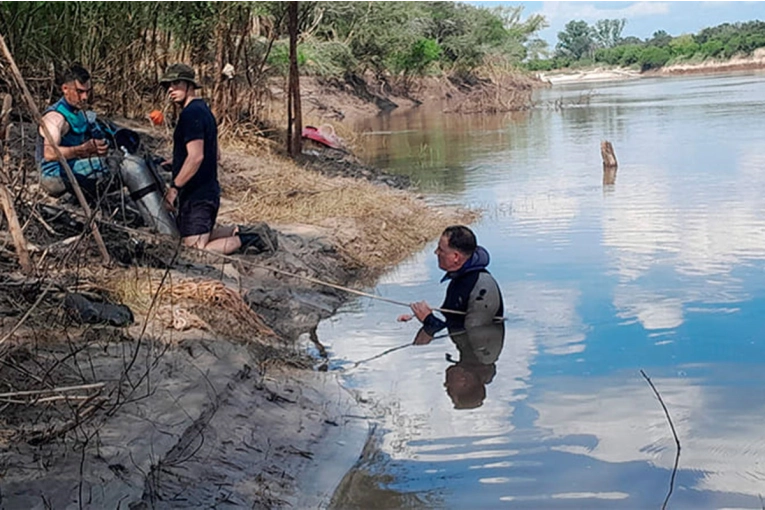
643	18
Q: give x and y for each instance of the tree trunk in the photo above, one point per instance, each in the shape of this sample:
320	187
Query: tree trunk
294	115
607	153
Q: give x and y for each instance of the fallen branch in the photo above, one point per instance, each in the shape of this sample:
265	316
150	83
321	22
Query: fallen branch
674	434
44	400
60	389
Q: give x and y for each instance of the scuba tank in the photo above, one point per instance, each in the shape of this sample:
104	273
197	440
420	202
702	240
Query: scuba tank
147	189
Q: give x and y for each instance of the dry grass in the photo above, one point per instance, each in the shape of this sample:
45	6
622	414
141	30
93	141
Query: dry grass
179	299
375	226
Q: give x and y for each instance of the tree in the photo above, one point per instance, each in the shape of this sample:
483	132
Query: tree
660	39
683	46
608	32
576	40
536	49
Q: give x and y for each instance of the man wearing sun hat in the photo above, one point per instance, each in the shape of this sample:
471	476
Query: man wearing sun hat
194	192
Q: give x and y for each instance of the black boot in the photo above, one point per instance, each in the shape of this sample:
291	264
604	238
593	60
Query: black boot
258	238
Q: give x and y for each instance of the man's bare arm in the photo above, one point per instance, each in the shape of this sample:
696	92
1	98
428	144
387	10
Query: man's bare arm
196	154
58	127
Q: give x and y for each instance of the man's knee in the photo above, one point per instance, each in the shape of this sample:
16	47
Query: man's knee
199	241
53	186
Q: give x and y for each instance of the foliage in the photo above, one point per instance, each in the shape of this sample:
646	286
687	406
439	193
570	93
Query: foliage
608	32
575	41
406	38
653	57
579	42
416	58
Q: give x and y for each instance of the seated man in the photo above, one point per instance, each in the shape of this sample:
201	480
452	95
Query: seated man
75	137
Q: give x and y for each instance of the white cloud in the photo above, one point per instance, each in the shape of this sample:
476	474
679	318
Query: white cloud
653	310
715	4
721	437
566	11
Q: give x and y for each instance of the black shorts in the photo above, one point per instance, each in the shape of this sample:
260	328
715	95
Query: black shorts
197	217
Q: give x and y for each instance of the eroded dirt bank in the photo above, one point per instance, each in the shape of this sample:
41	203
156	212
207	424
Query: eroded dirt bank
200	402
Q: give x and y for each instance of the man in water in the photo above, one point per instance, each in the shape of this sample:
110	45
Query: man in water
194	187
472	293
76	138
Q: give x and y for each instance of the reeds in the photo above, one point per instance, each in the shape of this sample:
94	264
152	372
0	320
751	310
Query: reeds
127	45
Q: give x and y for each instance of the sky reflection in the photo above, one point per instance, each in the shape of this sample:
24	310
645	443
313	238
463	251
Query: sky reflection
661	271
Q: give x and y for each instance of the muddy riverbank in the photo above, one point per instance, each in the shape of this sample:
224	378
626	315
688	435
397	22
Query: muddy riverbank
208	397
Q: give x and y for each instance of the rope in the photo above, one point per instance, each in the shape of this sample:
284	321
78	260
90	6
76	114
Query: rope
273	269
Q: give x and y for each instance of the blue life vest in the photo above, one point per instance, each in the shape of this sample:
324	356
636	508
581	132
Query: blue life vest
78	134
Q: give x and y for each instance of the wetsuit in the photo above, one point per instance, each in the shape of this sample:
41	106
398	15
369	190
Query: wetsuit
472	289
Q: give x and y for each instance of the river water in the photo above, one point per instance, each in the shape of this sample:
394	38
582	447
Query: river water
661	271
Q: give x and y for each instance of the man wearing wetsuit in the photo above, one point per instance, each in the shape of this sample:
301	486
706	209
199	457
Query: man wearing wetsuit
472	289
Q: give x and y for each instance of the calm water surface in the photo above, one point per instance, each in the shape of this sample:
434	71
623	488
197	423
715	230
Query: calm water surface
661	271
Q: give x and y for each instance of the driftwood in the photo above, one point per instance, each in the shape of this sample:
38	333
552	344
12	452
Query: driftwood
6	199
609	162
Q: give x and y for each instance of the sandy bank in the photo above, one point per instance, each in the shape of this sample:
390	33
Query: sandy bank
754	62
195	405
589	76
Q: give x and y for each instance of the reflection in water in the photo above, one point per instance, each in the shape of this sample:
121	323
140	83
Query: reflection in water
609	176
662	272
476	367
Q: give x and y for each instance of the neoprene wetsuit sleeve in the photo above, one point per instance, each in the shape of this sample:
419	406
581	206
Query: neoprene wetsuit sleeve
433	324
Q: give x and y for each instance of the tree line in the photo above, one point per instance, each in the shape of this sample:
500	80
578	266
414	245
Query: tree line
580	44
127	45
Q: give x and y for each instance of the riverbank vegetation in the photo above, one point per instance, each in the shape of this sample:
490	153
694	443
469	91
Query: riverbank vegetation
238	48
581	45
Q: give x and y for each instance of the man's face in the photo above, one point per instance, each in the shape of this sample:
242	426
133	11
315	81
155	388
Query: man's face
178	90
76	93
449	259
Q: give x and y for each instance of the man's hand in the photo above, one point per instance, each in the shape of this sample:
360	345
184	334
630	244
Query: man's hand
101	147
171	195
421	310
92	147
405	317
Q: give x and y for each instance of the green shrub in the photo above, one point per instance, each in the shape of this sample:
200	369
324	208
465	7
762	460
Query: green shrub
653	57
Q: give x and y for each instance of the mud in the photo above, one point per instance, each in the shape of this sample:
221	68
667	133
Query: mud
191	419
213	416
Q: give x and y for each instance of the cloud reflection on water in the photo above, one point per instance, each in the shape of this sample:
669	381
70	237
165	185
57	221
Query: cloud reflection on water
721	438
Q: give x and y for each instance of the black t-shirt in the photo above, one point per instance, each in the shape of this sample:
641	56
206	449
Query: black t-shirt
196	122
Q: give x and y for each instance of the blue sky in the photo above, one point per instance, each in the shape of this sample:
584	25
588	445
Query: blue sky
643	18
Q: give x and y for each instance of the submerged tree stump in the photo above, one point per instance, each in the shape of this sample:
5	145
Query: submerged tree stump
607	153
609	162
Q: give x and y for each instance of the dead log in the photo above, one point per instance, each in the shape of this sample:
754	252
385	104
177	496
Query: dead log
6	198
609	163
607	153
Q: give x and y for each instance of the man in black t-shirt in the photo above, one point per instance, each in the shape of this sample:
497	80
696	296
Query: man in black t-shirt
195	185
